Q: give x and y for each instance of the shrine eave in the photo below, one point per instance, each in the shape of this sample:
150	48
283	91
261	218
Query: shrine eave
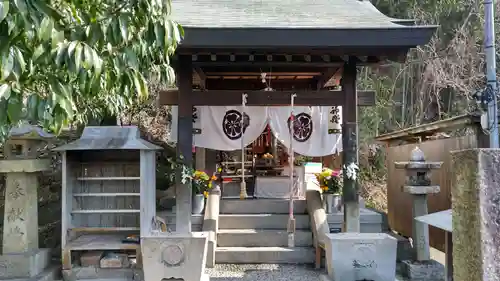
306	38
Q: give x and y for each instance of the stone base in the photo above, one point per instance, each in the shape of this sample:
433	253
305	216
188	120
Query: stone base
423	270
82	273
174	255
361	256
49	274
24	265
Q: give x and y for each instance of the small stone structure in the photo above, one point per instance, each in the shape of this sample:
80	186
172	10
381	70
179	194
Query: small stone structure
476	214
419	186
361	256
21	256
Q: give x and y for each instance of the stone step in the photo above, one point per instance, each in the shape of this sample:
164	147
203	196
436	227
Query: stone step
261	238
261	221
263	255
260	206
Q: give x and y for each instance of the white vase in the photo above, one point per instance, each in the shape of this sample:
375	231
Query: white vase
332	203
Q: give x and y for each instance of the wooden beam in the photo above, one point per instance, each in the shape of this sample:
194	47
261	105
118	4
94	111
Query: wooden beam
263	98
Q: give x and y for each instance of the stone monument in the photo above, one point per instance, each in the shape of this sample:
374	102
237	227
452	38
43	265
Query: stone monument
418	185
21	257
476	214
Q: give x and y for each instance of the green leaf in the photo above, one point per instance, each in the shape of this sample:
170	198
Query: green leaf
78	56
39	51
20	59
4	9
14	108
57	37
140	86
123	27
32	106
21	6
48	10
46	28
7	66
88	57
62	97
61	54
71	48
97	62
4	91
160	35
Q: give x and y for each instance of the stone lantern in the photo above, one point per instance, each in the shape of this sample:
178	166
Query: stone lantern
418	185
21	257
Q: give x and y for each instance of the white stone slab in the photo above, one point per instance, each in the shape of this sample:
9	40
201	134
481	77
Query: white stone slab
441	220
361	256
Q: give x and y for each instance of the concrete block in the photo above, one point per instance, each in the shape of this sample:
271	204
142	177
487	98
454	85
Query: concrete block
423	270
361	256
24	265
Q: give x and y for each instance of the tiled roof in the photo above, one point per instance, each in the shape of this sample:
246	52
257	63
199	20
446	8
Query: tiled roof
280	14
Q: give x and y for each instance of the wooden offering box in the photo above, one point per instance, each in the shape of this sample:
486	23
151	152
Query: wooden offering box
108	194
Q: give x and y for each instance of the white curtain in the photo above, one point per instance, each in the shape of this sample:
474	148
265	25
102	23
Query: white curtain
311	137
221	126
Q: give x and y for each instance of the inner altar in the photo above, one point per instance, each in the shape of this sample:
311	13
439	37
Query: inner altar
256	145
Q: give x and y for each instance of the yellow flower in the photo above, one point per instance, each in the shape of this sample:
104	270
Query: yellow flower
205	193
219	170
210	184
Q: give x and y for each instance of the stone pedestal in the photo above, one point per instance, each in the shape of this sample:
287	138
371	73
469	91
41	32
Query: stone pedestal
175	255
476	214
21	258
361	256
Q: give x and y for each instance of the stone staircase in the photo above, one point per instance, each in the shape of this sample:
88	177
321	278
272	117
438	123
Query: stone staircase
255	232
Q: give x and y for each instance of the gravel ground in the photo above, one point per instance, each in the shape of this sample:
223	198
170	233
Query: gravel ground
263	272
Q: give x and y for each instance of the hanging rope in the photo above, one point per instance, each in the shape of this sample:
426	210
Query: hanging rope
291	219
243	184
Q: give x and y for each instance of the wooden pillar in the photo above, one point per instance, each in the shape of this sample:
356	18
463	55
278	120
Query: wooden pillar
350	146
183	192
200	161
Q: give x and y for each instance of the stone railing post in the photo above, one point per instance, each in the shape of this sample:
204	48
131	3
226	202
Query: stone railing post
21	256
211	223
418	185
476	214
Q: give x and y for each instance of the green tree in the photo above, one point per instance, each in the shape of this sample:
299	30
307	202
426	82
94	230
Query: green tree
65	61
